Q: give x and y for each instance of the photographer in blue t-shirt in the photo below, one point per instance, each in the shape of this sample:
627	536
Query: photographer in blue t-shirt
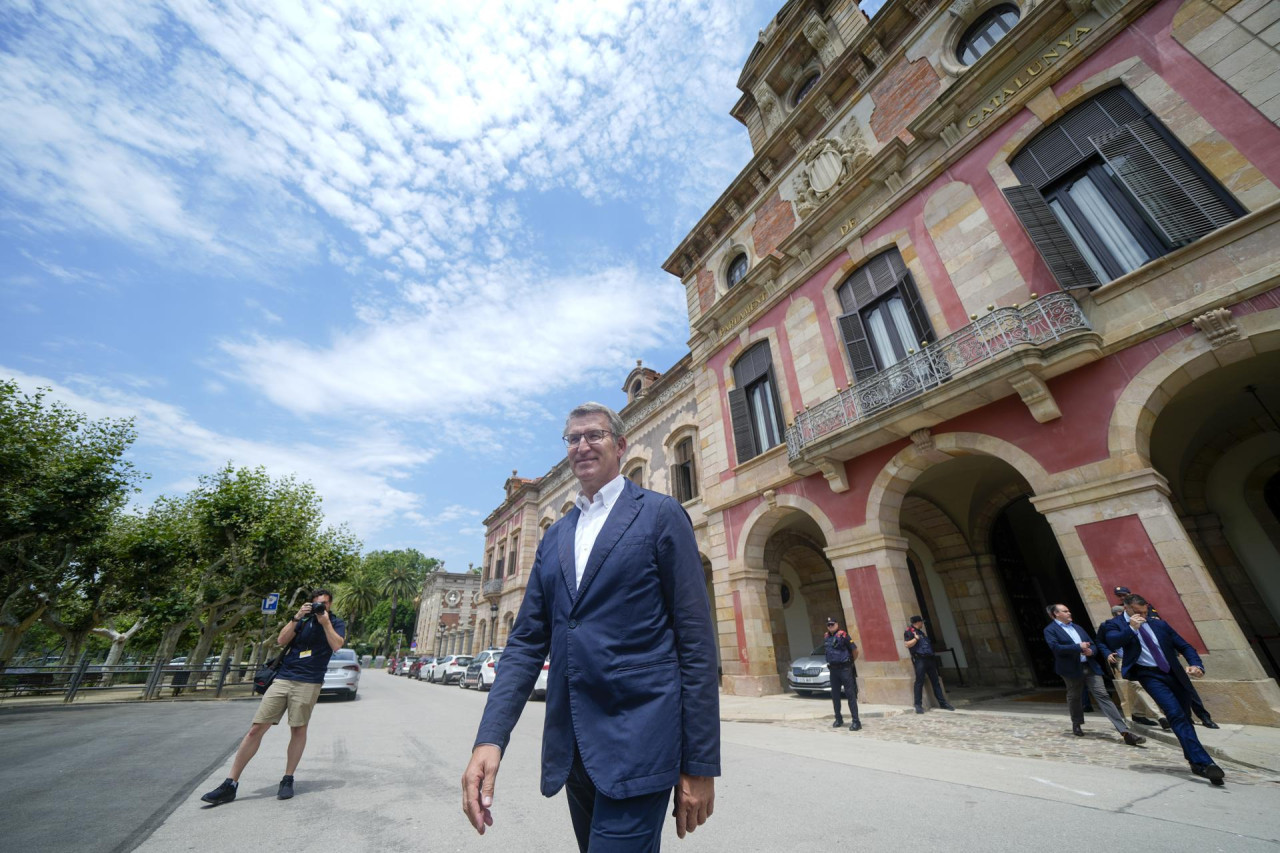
310	637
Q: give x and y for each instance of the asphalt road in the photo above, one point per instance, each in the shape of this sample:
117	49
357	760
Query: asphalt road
101	777
382	773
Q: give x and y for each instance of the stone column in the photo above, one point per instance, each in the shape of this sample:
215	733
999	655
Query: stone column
878	599
1124	531
746	632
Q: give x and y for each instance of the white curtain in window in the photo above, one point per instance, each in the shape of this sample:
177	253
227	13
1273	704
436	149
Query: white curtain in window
879	334
1076	237
1115	235
764	413
902	324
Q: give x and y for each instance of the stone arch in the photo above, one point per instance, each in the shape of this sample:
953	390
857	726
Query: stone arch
1139	405
765	518
885	497
944	538
985	518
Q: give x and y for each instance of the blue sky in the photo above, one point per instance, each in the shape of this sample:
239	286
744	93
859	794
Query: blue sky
379	246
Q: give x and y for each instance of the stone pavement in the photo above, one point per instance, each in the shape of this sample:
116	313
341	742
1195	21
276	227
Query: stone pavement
1250	754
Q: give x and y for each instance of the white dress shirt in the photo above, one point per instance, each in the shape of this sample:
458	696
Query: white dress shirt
1146	658
595	513
1072	633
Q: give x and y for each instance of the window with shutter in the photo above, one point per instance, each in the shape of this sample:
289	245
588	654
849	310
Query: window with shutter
1107	189
754	406
1050	238
684	479
885	319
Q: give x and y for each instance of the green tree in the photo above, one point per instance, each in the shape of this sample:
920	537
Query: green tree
63	478
358	596
402	573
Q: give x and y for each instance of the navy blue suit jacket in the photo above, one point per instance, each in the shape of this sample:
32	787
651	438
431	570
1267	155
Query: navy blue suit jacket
1066	651
1119	636
633	675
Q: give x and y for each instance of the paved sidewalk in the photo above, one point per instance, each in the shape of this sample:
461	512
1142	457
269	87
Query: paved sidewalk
1006	726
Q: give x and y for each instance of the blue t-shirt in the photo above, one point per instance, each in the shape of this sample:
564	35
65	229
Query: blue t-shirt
308	657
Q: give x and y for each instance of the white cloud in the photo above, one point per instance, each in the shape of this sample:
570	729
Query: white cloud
402	122
470	344
353	472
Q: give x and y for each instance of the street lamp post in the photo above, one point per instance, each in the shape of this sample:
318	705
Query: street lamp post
440	639
493	617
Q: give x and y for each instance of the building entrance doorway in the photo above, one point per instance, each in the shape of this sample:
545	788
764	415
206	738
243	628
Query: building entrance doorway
1035	575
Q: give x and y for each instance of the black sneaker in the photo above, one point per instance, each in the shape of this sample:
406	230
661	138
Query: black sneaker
224	793
855	726
838	723
286	788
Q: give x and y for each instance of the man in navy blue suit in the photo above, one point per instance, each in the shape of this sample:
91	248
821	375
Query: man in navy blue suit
1075	659
1150	650
617	598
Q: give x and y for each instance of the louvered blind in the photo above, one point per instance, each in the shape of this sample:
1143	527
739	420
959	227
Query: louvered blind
855	341
1050	238
1058	149
1174	196
740	414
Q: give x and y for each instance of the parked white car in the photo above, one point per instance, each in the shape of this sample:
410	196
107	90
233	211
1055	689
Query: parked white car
450	668
540	686
482	671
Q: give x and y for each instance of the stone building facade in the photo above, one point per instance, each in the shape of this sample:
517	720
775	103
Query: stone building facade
447	611
990	320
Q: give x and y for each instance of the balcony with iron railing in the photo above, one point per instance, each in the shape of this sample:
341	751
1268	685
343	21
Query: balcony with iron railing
1040	339
493	587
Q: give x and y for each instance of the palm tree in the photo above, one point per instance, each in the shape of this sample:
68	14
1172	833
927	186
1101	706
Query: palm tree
401	580
358	595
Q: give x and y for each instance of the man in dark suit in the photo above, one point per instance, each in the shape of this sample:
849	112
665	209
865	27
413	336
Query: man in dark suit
617	598
1075	659
1150	650
1195	703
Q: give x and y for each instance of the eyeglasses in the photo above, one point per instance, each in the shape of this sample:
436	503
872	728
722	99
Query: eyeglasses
593	437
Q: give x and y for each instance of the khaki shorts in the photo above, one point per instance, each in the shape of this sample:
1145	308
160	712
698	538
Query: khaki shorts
298	697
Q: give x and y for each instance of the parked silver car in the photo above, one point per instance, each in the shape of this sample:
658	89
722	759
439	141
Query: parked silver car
343	675
809	674
450	668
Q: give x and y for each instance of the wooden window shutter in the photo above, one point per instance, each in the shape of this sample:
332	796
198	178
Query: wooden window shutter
855	341
1181	204
740	413
915	310
1050	238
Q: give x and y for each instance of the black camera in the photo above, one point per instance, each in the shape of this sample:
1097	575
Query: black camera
317	608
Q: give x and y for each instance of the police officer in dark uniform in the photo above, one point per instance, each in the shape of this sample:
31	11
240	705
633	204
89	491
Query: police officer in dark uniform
841	653
1197	704
922	658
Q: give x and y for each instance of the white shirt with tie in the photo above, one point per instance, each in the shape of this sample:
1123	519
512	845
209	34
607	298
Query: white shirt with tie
1072	633
595	512
1146	658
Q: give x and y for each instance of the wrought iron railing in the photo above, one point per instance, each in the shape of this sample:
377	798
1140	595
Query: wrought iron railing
492	587
1040	321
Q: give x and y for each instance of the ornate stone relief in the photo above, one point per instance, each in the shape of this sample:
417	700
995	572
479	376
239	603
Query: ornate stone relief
923	440
767	166
758	181
826	164
962	9
734	209
919	8
795	140
825	107
875	51
1218	326
770	109
828	46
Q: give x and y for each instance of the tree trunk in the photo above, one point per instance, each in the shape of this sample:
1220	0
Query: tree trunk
118	640
237	655
391	623
13	628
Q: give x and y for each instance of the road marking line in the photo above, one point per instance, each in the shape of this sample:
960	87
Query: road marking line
1062	787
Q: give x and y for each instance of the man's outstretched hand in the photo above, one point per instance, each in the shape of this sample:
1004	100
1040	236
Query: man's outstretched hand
477	785
695	801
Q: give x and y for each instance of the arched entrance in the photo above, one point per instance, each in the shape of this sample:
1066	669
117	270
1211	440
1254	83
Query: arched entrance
984	564
801	588
1217	442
